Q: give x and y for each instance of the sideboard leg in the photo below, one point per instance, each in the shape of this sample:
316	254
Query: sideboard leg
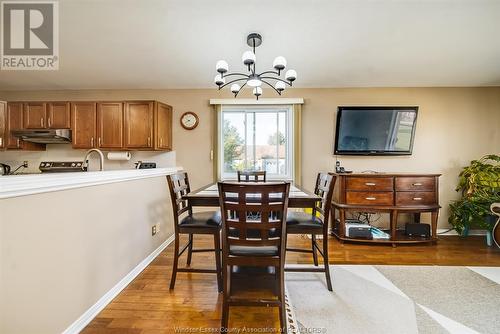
434	221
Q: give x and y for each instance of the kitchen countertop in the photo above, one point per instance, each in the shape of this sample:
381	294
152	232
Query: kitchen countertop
23	185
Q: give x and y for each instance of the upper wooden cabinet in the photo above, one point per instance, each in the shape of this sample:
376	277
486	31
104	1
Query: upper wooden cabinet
14	121
35	115
138	126
110	125
58	115
3	116
83	123
163	127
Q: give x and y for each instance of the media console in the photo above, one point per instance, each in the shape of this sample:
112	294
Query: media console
394	194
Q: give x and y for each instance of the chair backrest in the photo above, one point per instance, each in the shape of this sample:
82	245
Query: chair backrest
256	212
325	183
251	176
178	184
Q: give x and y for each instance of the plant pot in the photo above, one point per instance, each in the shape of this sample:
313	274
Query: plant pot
465	232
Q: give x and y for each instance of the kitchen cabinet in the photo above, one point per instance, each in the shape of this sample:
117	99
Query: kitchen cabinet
58	115
3	111
163	127
138	125
14	121
110	125
34	115
84	124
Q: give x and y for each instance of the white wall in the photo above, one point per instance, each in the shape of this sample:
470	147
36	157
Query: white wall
62	251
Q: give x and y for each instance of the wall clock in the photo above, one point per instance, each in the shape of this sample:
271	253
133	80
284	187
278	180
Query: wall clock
189	120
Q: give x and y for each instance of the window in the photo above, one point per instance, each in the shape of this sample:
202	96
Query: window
256	138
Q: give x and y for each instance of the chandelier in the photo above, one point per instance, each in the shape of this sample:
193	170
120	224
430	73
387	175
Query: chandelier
253	79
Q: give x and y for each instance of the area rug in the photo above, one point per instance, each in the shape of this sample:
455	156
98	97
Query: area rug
395	299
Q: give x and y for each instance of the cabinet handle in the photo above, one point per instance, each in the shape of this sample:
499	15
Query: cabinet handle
149	141
41	122
161	141
99	141
18	142
1	141
417	198
416	184
49	122
371	198
92	142
370	184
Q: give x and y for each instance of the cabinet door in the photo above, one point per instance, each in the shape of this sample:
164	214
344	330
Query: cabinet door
139	125
3	111
35	115
58	115
14	122
163	127
110	125
83	121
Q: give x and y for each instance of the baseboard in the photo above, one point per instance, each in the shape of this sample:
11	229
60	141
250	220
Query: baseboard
92	312
445	231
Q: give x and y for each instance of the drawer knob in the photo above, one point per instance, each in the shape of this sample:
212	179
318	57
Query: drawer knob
417	198
370	198
370	184
416	184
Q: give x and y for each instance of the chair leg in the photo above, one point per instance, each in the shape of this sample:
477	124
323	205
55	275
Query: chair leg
176	262
281	296
325	261
225	297
315	253
190	250
217	261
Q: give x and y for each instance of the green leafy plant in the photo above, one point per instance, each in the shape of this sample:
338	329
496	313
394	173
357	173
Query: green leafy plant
479	184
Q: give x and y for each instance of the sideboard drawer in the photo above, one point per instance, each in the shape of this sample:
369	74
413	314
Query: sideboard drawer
369	197
370	183
415	198
415	183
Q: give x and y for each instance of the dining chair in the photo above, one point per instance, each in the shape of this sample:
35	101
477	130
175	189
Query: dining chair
256	242
191	223
251	176
314	224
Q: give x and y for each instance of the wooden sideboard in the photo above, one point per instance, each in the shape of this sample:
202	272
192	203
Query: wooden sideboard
386	193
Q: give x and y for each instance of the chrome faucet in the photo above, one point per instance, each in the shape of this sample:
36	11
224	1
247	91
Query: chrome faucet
85	164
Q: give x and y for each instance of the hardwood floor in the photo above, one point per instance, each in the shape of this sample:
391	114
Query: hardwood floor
147	306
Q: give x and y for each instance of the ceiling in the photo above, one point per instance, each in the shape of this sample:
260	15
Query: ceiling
156	44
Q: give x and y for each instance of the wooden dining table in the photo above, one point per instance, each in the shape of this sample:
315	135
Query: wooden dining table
209	196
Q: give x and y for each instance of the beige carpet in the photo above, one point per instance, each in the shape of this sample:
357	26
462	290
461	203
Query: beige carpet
396	299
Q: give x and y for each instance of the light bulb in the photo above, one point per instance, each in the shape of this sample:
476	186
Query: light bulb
222	66
280	86
279	63
257	91
291	75
219	80
248	58
235	88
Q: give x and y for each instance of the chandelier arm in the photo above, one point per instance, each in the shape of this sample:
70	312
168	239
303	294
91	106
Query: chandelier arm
269	72
240	89
231	74
230	82
279	79
267	83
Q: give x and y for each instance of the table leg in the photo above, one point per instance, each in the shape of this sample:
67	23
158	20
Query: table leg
342	224
434	220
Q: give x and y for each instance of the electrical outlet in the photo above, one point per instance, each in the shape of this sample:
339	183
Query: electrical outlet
25	164
153	230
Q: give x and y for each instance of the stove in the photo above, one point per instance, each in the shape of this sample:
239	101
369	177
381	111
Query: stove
61	166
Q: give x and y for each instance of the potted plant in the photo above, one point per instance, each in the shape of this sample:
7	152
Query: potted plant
479	184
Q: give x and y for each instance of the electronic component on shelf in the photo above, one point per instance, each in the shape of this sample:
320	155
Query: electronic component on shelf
418	230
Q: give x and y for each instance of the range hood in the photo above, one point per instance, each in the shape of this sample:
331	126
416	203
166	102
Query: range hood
55	136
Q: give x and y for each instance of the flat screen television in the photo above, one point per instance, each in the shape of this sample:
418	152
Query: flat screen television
375	130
